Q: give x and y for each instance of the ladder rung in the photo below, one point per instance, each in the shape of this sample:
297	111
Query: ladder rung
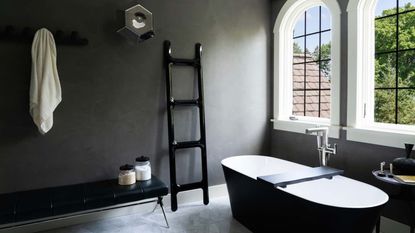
186	62
185	103
186	187
189	144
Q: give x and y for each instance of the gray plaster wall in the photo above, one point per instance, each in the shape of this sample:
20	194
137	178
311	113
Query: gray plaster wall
356	159
114	104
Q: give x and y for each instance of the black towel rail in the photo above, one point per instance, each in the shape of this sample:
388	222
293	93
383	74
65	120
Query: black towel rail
9	33
172	103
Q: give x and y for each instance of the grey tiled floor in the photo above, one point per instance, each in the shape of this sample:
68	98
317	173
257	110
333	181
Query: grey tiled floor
191	218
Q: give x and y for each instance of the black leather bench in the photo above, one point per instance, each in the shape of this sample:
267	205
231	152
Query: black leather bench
22	208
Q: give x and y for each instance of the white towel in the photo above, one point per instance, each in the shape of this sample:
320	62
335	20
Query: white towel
45	88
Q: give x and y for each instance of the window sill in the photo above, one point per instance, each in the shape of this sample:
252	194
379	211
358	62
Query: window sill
379	136
299	126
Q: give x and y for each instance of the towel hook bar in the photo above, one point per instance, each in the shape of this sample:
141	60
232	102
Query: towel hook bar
9	33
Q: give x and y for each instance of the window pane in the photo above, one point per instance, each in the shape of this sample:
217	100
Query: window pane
299	27
385	33
326	45
312	99
385	70
405	5
307	50
298	76
406	107
325	67
325	104
325	18
312	47
312	75
298	103
385	106
313	19
407	30
406	74
298	47
385	7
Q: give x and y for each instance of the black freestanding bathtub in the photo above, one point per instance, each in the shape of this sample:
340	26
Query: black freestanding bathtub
337	205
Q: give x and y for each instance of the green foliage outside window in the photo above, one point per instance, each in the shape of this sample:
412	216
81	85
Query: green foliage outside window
325	66
387	70
325	55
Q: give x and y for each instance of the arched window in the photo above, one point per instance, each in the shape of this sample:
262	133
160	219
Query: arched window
312	63
307	65
381	82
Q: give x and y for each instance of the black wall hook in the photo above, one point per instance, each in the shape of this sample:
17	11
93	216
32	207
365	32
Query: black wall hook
9	33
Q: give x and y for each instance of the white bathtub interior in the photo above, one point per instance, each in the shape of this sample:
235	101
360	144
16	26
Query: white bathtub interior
339	192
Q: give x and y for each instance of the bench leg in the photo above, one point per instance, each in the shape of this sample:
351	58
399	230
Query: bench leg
155	207
160	202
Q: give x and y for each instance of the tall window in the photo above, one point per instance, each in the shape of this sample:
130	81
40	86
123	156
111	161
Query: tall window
312	63
307	66
381	72
395	62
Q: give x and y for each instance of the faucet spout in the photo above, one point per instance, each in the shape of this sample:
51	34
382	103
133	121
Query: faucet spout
323	145
316	130
321	133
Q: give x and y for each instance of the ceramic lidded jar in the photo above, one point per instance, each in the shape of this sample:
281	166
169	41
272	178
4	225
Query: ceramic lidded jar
142	168
126	175
405	166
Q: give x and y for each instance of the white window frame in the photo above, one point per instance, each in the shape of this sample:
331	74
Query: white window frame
283	59
360	96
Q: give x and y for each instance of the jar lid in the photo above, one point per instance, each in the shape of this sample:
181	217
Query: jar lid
142	159
126	167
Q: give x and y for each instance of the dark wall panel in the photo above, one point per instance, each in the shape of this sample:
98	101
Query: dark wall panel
113	106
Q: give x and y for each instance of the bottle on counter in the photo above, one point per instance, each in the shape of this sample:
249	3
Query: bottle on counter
127	175
142	168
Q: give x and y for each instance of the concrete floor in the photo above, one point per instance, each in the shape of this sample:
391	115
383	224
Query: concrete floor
190	218
197	218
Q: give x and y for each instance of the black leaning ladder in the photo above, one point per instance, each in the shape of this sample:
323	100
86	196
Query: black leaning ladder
171	104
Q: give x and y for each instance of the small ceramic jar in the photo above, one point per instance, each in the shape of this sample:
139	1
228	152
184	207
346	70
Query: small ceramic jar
142	168
127	175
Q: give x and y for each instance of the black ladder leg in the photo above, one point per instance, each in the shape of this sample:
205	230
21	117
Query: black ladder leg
198	52
173	184
205	181
172	158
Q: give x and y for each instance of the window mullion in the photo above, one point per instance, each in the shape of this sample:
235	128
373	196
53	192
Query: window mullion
305	64
319	64
397	62
368	87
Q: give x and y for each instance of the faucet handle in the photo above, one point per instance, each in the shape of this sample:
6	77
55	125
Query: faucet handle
332	150
382	167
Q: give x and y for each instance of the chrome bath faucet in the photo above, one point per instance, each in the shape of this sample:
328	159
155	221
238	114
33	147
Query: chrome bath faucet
323	146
